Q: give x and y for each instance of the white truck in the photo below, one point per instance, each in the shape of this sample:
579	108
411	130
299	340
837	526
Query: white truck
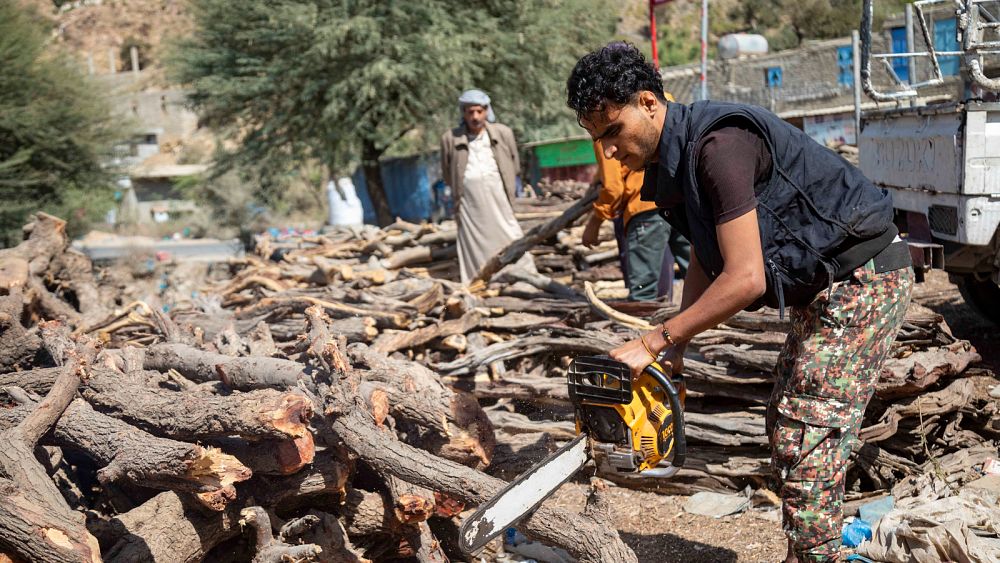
941	162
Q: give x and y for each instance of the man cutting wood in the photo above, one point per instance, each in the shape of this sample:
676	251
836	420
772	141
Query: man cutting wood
773	219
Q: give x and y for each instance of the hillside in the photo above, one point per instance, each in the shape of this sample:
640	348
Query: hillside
92	27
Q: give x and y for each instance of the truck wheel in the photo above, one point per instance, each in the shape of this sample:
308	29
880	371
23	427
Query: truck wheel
982	295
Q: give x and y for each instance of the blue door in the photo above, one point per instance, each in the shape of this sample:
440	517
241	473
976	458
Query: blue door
946	40
900	65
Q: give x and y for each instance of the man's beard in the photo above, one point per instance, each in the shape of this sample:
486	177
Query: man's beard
648	145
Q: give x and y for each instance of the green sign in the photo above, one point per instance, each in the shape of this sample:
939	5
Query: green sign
565	153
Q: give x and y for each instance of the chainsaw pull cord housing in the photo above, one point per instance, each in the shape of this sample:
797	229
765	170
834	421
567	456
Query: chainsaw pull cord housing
680	442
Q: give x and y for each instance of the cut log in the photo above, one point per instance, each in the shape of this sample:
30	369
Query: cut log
169	528
389	343
524	347
272	457
127	453
334	309
419	255
585	539
448	423
18	345
268	549
36	524
237	373
193	415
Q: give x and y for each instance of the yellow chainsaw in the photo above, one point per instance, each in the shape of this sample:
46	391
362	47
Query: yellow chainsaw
626	426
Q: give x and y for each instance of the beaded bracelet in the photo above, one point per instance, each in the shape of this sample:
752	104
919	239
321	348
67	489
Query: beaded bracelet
666	335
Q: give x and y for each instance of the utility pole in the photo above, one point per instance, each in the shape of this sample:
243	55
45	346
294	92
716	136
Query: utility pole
704	49
652	28
856	69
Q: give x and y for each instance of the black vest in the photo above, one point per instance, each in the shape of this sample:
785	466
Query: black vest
812	210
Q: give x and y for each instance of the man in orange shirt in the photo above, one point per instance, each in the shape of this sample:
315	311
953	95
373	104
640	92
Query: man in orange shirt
651	246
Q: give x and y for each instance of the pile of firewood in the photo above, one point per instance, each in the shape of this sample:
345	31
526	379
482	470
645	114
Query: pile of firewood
243	428
343	398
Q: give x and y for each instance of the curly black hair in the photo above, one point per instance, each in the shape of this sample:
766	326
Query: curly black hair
614	73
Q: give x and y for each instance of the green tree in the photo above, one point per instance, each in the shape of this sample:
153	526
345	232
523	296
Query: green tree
54	130
343	81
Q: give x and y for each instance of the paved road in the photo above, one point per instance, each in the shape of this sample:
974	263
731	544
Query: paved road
192	250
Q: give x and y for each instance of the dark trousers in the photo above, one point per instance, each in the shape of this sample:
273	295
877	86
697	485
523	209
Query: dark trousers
652	247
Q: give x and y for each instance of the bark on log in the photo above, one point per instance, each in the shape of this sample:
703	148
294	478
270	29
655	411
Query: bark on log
355	329
125	452
36	524
907	376
329	534
50	306
18	345
539	281
327	475
194	415
269	549
524	347
237	373
419	255
76	271
170	528
45	238
585	539
389	343
448	423
272	457
334	309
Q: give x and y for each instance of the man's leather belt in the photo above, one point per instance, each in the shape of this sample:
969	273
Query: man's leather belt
893	257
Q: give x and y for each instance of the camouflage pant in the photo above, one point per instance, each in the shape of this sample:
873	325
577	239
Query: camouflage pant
824	378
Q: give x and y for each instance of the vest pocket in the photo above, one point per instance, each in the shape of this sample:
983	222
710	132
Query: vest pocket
801	269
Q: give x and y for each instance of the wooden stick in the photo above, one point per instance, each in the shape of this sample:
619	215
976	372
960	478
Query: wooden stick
606	311
515	250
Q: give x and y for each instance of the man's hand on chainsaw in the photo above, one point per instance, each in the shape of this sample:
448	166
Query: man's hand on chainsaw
640	352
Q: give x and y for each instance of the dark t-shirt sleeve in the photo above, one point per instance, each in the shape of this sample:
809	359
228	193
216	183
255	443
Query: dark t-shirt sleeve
731	161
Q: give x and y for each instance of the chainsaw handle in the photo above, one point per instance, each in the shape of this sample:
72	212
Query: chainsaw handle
680	441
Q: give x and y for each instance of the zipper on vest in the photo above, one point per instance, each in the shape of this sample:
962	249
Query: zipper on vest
780	288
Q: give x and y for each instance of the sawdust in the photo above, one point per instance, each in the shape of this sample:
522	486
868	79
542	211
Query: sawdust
659	531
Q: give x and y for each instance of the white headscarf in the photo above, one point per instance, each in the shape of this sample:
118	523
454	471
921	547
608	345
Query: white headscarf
476	98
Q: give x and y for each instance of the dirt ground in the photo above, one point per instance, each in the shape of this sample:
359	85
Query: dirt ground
659	530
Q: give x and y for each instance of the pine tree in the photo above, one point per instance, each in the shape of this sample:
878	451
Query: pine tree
344	81
55	130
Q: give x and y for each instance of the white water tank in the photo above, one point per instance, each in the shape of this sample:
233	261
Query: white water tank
739	44
345	207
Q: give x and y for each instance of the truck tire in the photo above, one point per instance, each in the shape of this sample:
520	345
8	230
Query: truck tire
982	295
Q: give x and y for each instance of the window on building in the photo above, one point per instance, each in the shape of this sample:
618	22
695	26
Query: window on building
945	39
845	66
901	65
772	77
